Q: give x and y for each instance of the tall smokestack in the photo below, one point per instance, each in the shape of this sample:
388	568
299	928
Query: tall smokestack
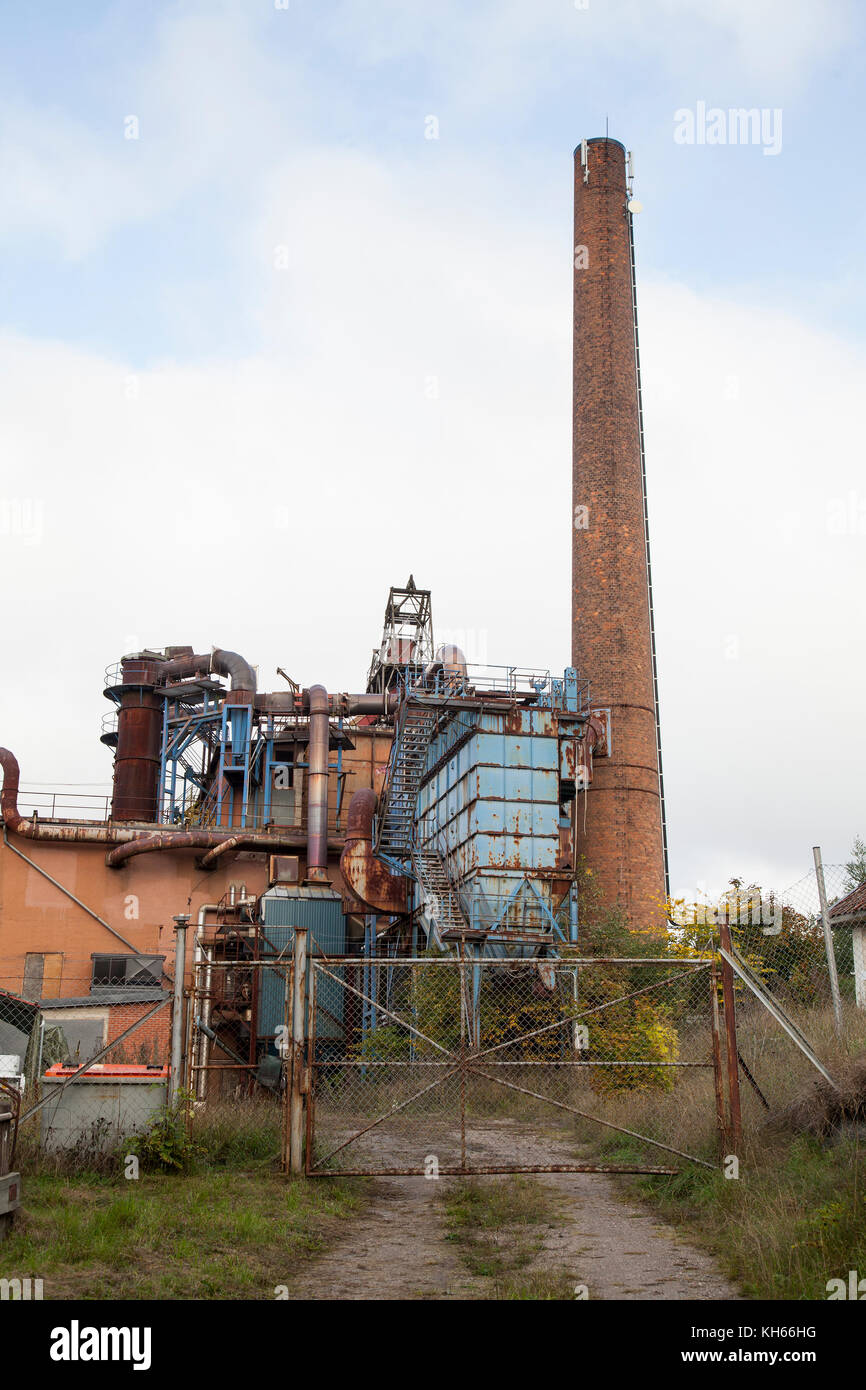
612	634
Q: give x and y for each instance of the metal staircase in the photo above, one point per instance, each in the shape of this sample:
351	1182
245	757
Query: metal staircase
442	902
396	821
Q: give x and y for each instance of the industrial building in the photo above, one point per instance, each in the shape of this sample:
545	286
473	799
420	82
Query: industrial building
439	807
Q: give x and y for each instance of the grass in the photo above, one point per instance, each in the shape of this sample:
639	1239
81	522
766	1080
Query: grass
497	1227
230	1227
796	1215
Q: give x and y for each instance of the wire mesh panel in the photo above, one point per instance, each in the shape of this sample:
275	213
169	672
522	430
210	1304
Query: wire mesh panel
472	1065
84	1047
239	1050
791	1030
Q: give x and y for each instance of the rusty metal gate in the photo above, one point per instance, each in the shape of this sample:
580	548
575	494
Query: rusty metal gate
474	1065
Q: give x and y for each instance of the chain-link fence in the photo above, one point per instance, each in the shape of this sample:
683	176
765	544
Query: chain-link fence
85	1049
238	1053
795	985
493	1065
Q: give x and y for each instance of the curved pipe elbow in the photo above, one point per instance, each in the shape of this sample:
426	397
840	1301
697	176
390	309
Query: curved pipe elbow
231	664
225	663
9	797
450	660
359	821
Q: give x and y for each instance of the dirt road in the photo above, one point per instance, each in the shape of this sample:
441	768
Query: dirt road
602	1240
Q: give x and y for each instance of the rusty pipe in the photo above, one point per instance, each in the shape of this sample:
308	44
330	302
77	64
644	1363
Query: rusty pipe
225	663
128	842
317	795
359	821
344	703
212	857
96	833
368	877
263	841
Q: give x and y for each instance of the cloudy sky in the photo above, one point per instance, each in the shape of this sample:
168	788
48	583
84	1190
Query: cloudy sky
266	347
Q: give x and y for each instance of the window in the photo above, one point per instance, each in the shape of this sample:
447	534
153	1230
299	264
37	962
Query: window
42	973
73	1035
126	972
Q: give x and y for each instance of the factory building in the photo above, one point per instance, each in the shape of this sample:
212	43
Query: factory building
441	806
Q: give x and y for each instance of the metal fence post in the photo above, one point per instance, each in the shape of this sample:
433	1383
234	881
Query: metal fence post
299	1010
731	1051
181	922
828	941
718	1081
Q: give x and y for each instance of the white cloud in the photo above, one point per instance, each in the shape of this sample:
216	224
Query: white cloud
227	91
267	503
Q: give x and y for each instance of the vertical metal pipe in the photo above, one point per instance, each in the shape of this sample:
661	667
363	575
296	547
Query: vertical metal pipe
181	922
828	941
296	1097
317	794
310	1087
202	985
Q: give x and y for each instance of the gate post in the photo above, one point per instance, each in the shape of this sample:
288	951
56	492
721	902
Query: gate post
296	1088
731	1050
718	1078
181	922
828	942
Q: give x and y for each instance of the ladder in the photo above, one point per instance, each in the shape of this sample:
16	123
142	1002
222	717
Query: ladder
441	899
652	626
396	821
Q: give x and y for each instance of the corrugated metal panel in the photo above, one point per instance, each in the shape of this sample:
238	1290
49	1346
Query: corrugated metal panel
322	913
495	804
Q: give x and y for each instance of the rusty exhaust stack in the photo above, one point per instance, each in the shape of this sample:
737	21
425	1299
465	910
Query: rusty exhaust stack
612	635
135	790
317	793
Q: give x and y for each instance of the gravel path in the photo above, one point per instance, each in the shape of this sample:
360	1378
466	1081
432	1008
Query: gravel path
604	1240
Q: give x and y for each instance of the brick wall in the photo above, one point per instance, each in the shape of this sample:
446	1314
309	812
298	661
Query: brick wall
610	613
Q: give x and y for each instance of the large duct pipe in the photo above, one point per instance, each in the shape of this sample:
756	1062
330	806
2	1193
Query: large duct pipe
239	671
219	842
611	620
317	792
367	877
284	702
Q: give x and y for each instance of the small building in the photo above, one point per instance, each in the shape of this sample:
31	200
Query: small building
850	911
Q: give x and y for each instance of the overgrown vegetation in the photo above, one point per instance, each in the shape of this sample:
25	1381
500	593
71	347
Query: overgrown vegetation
795	1216
794	1219
229	1226
498	1229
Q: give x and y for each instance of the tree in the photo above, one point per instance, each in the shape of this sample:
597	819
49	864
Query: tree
855	869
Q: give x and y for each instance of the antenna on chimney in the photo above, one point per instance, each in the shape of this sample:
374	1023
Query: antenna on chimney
629	164
584	159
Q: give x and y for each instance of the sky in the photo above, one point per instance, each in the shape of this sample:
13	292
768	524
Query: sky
285	315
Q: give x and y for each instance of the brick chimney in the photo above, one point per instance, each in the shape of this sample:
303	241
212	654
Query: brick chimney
612	640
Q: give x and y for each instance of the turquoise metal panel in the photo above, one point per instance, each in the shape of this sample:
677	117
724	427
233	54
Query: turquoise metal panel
323	916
